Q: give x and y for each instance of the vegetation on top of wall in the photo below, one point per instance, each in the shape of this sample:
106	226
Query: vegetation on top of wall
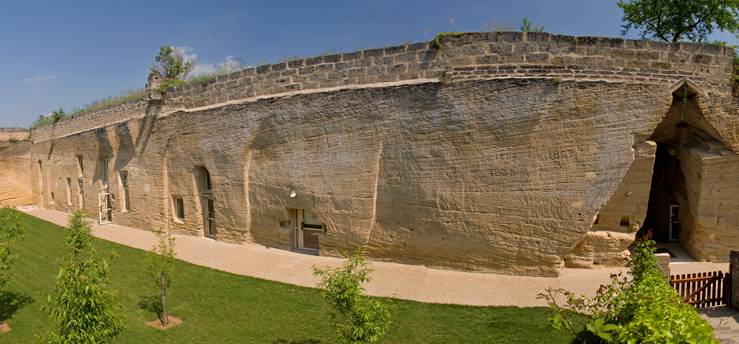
436	42
200	80
640	309
60	114
526	26
124	97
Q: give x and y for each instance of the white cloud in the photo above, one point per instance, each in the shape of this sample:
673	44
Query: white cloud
228	65
39	78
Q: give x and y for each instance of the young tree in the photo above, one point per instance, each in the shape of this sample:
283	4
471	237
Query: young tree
359	319
677	20
161	268
528	26
83	309
172	64
11	230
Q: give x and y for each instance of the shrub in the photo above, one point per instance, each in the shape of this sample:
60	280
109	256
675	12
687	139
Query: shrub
82	308
359	319
436	42
11	230
171	63
641	309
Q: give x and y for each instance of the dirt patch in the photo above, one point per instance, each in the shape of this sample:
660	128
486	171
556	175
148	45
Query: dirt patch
4	327
173	321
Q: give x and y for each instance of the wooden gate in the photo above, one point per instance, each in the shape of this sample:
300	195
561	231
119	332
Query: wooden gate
703	289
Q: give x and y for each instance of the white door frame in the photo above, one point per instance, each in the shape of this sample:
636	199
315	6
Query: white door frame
106	208
298	219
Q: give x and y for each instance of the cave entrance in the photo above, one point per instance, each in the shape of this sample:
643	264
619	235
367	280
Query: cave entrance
668	196
682	138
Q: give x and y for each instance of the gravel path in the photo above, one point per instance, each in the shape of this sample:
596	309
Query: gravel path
726	323
410	282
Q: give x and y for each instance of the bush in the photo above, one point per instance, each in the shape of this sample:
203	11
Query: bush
11	230
640	309
359	319
83	309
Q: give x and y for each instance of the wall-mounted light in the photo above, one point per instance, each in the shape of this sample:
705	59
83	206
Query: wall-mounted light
293	194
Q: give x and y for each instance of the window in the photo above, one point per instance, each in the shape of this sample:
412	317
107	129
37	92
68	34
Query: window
202	179
53	201
41	182
179	207
126	201
208	185
69	191
106	163
625	221
81	194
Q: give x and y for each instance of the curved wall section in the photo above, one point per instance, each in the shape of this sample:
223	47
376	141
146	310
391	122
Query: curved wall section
493	152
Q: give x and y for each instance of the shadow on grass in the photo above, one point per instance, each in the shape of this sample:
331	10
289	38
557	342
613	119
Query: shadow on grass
300	341
151	304
12	302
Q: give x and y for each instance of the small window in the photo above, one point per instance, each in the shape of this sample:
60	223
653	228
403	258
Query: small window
69	191
179	207
81	194
625	221
53	200
208	185
202	180
105	165
597	219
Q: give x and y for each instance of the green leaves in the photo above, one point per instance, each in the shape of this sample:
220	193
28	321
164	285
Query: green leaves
359	319
677	20
83	309
172	64
11	230
161	269
642	309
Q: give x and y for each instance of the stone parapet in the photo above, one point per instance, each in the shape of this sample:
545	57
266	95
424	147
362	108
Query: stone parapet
457	58
13	134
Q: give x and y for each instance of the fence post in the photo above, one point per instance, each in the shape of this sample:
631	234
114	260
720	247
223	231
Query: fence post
734	281
663	263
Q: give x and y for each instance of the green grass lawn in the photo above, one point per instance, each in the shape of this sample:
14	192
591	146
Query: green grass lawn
219	307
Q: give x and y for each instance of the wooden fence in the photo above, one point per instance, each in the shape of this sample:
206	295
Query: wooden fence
704	289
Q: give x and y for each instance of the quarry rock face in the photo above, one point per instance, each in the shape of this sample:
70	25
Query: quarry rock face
15	162
498	152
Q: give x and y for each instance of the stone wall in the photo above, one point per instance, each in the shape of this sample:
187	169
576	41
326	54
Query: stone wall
494	152
470	56
714	226
88	121
14	134
15	161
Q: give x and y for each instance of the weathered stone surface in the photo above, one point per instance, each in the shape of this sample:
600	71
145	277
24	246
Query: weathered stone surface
15	162
503	166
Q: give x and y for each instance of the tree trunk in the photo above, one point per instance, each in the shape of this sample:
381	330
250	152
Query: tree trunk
163	297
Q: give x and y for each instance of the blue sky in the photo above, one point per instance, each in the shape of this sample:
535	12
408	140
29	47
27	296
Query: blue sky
69	53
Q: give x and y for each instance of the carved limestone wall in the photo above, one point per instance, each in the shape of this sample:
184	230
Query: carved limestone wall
15	161
494	152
